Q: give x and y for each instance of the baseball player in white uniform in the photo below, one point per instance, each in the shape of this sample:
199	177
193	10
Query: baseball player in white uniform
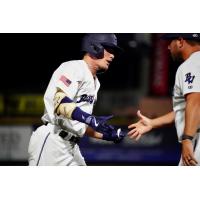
184	47
69	101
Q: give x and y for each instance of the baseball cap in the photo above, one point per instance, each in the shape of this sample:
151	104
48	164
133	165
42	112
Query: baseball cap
187	36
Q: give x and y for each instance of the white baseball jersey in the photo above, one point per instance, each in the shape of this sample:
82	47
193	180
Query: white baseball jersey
76	80
46	147
187	81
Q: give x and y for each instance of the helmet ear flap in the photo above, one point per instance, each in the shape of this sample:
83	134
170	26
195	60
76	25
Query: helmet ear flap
93	43
97	50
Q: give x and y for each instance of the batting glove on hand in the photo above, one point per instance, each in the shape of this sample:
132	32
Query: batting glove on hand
98	123
114	134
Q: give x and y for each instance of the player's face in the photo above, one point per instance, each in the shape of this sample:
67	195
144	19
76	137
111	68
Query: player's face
104	63
174	47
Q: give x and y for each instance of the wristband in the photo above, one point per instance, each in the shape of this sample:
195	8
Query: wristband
187	137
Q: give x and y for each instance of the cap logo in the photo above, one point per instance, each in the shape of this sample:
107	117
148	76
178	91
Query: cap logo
195	35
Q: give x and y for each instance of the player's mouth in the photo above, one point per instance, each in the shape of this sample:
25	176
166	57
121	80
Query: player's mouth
108	62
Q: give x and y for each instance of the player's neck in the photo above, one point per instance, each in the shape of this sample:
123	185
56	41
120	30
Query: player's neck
91	65
189	52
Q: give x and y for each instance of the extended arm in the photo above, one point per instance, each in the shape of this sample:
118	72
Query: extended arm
145	124
163	120
94	134
66	107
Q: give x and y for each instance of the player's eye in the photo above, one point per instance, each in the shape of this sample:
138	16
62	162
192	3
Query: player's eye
110	50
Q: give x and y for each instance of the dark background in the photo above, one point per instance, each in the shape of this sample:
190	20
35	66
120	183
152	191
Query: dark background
28	60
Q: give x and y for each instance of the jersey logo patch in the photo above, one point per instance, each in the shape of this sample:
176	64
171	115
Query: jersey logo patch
87	98
65	80
189	78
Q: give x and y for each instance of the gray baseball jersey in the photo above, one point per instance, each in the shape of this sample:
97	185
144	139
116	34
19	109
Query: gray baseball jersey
187	81
46	146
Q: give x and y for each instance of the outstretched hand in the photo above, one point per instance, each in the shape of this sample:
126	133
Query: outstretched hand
141	127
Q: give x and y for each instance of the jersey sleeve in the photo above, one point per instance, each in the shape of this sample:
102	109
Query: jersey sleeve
66	79
189	80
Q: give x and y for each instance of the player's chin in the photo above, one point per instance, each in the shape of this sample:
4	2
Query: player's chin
105	67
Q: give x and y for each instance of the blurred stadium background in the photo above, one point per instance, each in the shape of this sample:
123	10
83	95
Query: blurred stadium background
141	78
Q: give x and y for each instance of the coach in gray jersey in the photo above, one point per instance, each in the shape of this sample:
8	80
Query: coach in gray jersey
186	99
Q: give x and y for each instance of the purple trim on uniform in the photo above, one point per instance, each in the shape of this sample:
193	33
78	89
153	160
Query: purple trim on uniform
77	114
66	100
42	149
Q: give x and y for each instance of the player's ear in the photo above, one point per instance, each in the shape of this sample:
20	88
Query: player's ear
180	42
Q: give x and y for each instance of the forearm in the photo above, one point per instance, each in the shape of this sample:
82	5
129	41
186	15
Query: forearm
163	120
192	117
66	107
99	127
94	134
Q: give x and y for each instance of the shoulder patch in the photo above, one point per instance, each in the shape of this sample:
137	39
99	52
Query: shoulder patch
189	78
65	80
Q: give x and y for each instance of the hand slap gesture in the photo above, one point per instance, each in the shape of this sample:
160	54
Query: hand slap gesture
144	125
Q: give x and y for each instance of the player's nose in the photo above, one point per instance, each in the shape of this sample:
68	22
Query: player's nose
112	56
